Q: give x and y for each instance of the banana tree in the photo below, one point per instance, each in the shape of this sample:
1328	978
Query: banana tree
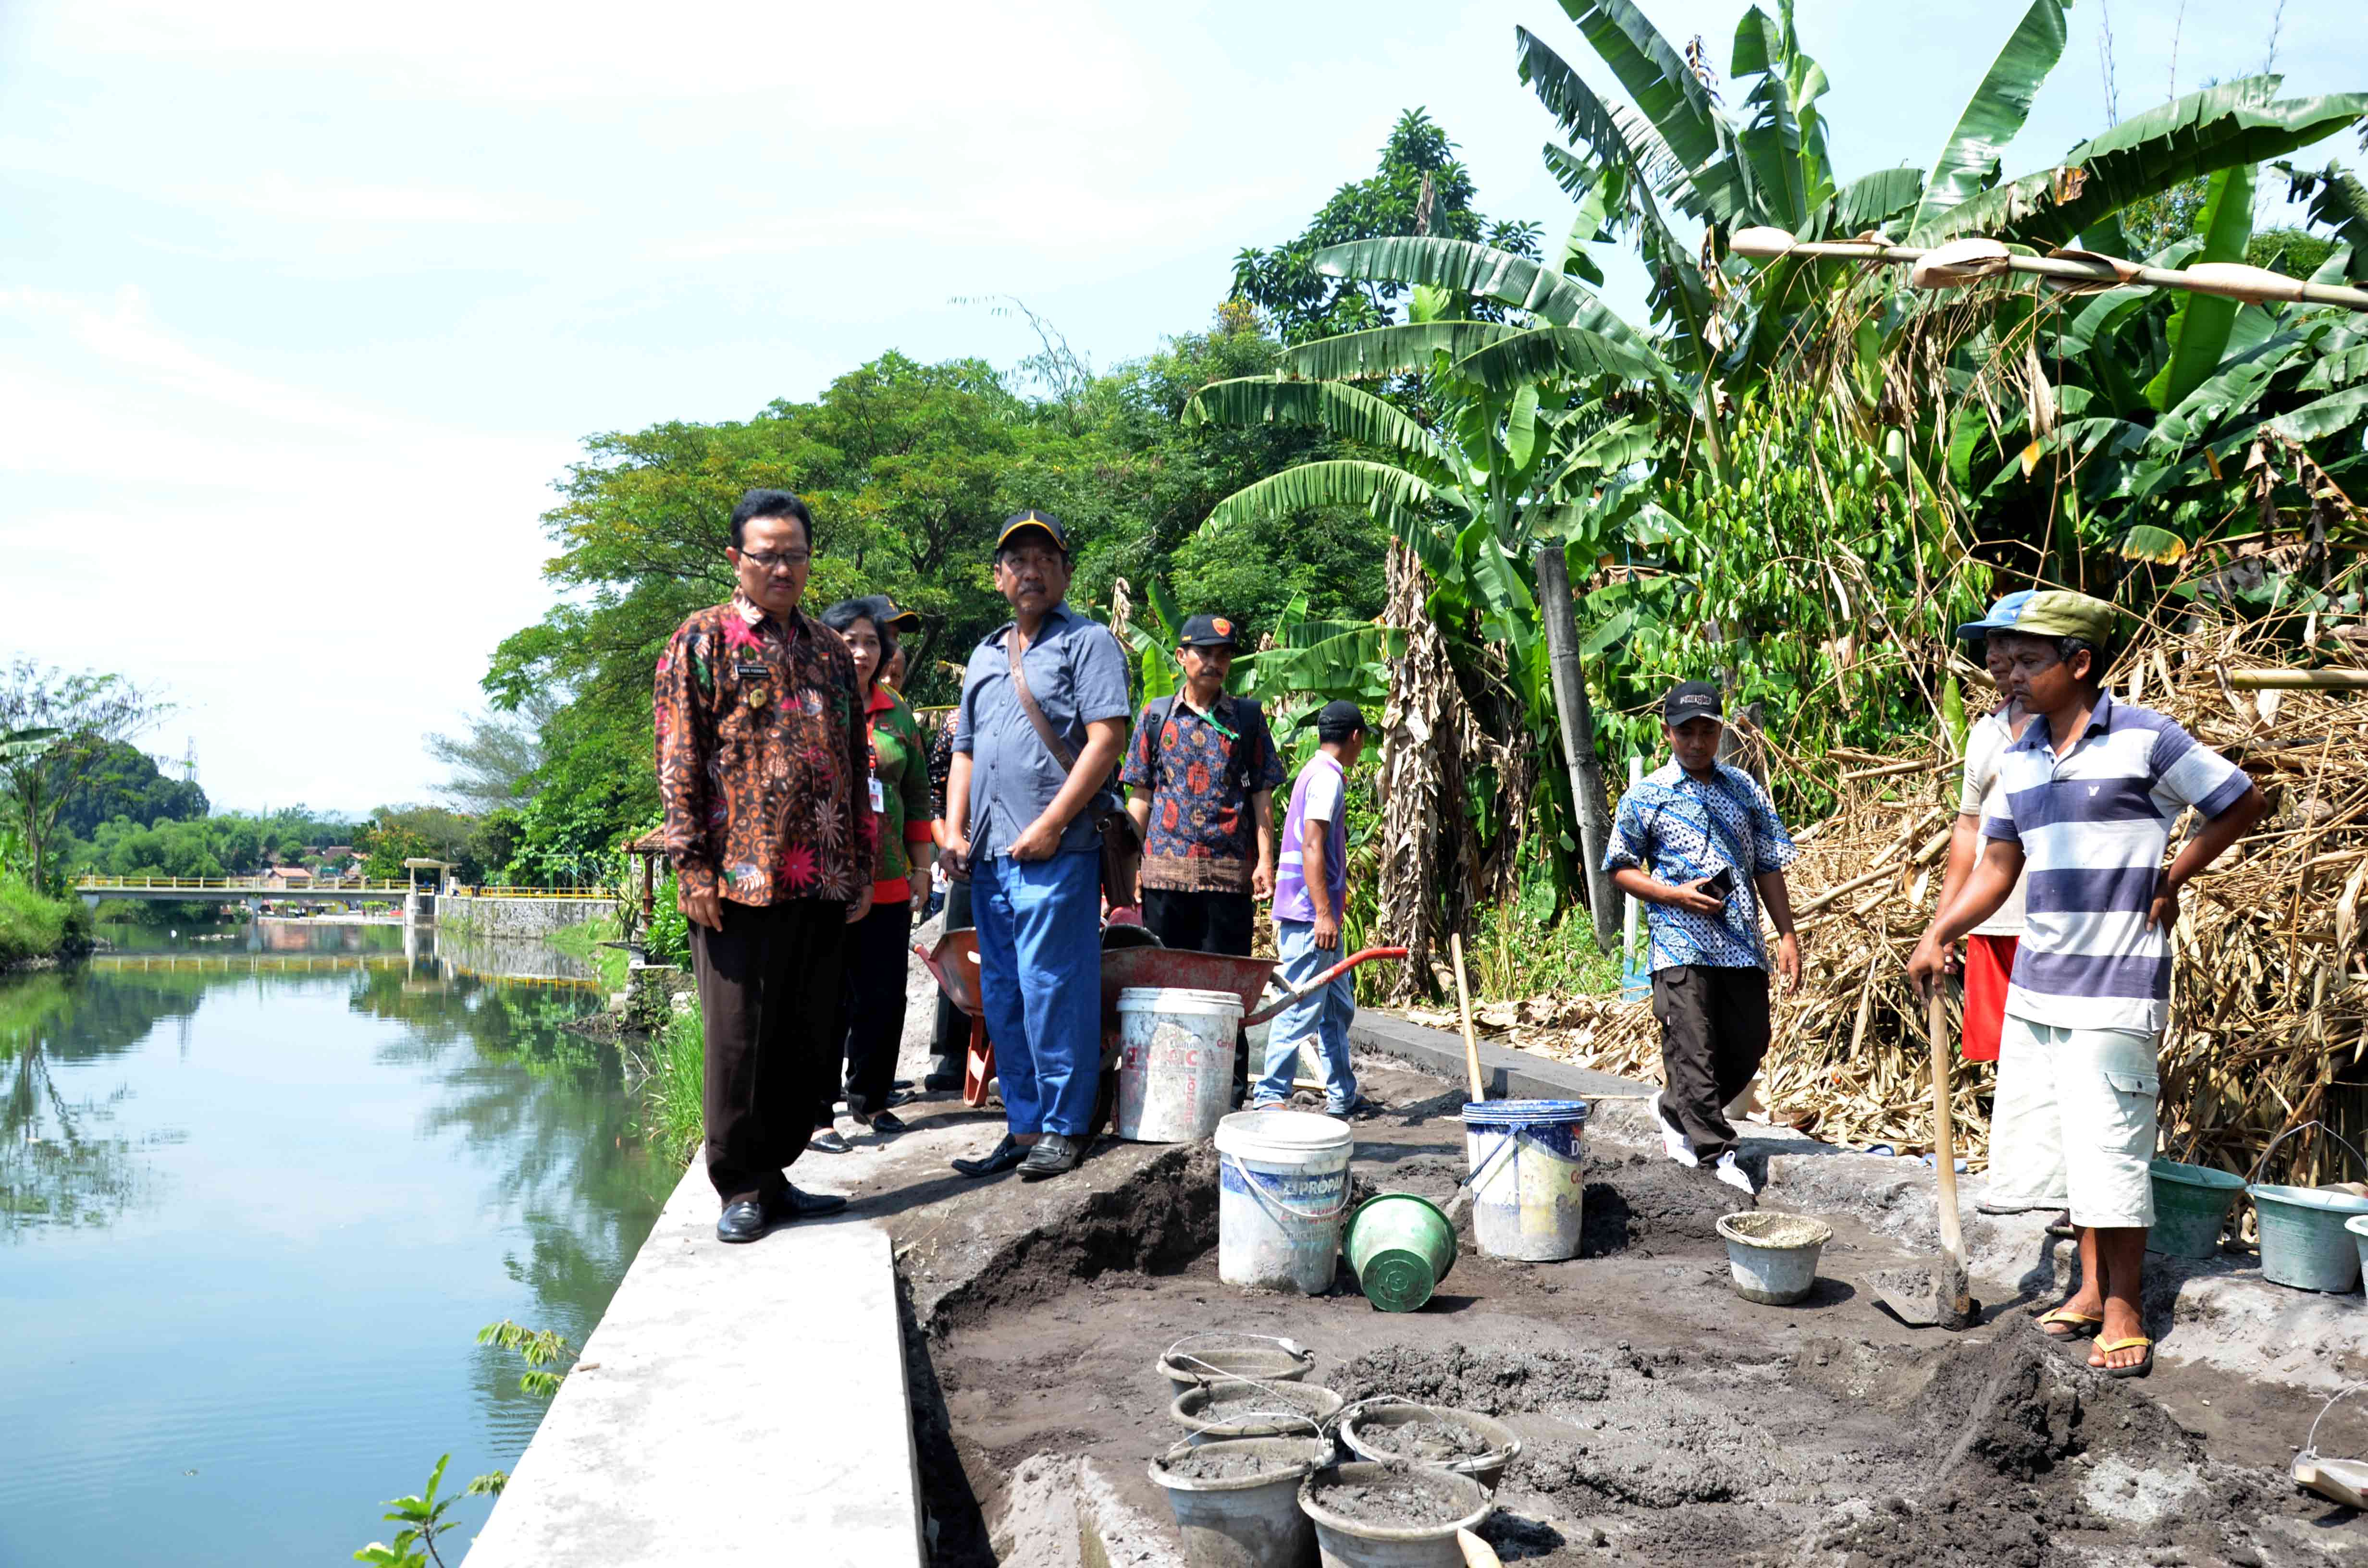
1527	419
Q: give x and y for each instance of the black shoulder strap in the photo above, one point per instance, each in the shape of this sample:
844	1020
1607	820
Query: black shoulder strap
1154	719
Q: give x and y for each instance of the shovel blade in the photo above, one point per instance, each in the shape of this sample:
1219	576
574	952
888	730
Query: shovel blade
1924	1297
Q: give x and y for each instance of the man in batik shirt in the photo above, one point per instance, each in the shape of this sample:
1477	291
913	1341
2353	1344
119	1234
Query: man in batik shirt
764	768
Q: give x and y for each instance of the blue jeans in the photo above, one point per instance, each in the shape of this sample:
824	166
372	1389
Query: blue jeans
1322	1017
1040	979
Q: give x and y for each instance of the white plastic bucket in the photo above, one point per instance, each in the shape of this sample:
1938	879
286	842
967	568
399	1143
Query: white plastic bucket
1175	1062
1529	1183
1282	1189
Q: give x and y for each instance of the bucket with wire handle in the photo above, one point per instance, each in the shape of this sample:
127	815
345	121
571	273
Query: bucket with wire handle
1245	1408
1282	1190
2304	1242
1214	1357
2344	1480
1528	1177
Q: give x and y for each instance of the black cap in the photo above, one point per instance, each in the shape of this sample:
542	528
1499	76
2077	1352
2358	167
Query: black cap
1691	700
902	620
1208	631
1340	720
1032	518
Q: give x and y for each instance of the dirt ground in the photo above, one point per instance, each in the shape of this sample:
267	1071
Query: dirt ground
1666	1420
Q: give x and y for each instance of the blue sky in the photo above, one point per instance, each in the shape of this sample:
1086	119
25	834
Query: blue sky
303	307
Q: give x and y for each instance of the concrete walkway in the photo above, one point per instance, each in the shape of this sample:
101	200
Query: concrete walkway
737	1405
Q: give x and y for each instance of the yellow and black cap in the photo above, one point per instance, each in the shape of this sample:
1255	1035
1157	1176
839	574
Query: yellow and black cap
1034	518
902	622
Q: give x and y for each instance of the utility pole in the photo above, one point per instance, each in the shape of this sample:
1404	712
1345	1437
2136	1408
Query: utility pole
1577	727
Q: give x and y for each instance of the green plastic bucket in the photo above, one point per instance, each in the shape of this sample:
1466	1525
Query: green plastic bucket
2304	1242
1400	1246
2191	1208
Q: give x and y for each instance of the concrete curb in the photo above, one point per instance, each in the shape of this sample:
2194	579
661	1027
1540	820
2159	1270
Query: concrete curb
737	1405
1508	1074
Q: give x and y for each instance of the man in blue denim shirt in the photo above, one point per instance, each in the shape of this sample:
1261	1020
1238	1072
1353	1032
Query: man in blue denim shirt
1025	825
1714	842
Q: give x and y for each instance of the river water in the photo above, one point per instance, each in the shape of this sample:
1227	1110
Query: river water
260	1188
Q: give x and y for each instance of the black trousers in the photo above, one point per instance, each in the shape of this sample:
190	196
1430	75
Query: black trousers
768	993
873	1005
1207	923
1201	922
1714	1036
950	1042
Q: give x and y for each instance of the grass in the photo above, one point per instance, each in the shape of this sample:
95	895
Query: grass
583	941
32	927
672	1085
1512	955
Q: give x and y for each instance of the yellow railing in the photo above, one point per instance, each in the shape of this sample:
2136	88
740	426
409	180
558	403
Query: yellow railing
266	886
235	884
583	893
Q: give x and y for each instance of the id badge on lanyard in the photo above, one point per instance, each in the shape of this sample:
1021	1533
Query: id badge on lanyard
879	796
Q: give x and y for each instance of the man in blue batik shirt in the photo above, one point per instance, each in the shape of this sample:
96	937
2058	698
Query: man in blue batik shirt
1717	852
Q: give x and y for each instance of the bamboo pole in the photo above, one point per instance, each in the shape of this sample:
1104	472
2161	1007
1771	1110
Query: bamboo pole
1463	1009
2080	269
2299	680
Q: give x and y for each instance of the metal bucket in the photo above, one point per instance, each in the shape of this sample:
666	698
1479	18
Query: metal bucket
2191	1208
1359	1422
1248	1521
1400	1246
1345	1542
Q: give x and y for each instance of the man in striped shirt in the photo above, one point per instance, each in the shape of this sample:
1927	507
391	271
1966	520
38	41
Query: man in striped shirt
2093	789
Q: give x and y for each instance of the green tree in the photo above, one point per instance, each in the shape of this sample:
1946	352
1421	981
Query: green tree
119	779
86	712
1419	188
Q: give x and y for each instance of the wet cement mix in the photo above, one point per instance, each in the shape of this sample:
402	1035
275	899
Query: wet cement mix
1664	1420
1438	1441
1403	1503
1227	1461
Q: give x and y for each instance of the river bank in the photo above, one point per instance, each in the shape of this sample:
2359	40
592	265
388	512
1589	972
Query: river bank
38	932
348	1151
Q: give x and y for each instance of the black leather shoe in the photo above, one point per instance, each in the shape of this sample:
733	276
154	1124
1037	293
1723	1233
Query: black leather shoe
1006	1154
887	1123
795	1205
743	1222
938	1083
1052	1155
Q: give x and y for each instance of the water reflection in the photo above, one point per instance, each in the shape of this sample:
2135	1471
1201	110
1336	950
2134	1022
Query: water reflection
255	1197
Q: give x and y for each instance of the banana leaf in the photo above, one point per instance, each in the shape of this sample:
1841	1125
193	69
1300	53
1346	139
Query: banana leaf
1968	164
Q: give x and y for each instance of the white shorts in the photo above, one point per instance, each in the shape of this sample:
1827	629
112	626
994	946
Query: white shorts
2072	1122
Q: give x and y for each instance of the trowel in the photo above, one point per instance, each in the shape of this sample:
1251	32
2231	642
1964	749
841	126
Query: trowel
1921	1298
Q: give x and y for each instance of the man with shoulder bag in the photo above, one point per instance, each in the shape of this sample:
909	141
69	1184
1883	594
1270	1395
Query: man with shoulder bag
1031	818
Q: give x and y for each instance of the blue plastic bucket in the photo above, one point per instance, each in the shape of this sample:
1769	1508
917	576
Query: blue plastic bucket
2191	1208
2304	1242
1528	1178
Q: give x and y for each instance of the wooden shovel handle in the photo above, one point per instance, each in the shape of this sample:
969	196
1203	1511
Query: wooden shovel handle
1464	1009
1944	1145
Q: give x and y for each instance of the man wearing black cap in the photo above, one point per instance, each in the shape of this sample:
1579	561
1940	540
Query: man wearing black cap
1200	780
1037	735
1714	843
1311	892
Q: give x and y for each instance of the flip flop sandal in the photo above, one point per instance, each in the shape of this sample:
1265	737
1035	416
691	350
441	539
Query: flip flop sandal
2078	1326
2136	1368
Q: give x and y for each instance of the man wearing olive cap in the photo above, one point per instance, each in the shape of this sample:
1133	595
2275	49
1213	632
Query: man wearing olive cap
2090	791
1717	851
1020	814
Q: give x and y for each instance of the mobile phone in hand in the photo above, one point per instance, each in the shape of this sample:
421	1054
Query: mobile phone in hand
1723	884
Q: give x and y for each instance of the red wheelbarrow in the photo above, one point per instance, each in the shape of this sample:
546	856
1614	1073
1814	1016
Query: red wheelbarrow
954	961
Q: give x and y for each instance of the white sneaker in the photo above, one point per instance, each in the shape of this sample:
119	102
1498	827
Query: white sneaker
1732	1174
1673	1142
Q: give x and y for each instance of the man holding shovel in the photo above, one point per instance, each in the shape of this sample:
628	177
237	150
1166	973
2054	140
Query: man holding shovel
2092	790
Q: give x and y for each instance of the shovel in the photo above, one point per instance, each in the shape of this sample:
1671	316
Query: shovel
1921	1297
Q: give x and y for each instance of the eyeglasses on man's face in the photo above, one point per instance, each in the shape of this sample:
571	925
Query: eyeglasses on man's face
777	559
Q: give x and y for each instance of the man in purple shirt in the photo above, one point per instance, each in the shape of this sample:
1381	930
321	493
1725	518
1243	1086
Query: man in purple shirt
1311	890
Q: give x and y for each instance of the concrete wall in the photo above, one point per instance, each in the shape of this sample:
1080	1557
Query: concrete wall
517	916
